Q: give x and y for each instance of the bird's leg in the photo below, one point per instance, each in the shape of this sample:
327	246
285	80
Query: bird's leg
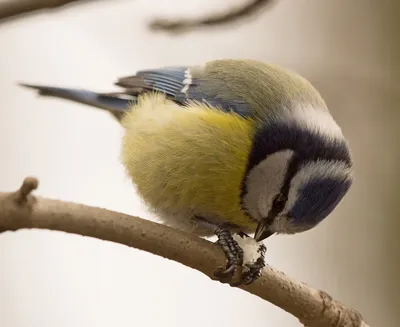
235	254
232	250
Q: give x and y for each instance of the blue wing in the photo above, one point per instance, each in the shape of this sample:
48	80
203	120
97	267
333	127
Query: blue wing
175	81
168	80
180	86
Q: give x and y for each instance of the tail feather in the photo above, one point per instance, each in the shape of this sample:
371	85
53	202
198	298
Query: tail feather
114	103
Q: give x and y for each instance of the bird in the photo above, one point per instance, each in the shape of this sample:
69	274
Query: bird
228	148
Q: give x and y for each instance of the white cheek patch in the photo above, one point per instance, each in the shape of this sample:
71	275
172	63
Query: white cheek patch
265	181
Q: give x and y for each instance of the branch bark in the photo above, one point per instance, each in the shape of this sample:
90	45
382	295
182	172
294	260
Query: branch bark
21	210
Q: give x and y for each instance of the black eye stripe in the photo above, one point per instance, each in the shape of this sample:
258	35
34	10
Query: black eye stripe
295	163
281	198
279	202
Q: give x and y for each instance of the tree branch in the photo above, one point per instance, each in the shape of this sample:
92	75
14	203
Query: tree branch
21	209
10	9
230	16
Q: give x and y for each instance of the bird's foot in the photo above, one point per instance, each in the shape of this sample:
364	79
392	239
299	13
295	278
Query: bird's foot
252	270
233	252
244	254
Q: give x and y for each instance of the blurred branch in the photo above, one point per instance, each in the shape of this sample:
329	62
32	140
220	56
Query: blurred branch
14	8
10	9
21	209
231	16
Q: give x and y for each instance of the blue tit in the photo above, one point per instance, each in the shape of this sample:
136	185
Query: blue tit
228	148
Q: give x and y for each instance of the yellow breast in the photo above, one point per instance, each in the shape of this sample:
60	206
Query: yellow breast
187	160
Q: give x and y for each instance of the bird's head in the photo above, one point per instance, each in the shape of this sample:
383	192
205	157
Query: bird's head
297	174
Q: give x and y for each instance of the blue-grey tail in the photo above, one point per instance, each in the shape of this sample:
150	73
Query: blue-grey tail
116	103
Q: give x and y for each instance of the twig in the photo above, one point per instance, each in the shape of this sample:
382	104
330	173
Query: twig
10	9
231	16
312	307
29	184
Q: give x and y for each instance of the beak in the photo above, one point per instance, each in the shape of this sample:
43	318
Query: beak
262	231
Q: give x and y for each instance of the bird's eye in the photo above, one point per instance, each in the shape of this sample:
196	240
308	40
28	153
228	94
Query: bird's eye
279	202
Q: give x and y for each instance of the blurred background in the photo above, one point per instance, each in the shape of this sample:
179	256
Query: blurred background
348	49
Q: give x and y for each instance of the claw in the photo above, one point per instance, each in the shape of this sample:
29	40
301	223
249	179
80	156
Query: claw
229	270
236	272
253	270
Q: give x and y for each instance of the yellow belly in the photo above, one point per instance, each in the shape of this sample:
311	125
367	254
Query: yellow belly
187	161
